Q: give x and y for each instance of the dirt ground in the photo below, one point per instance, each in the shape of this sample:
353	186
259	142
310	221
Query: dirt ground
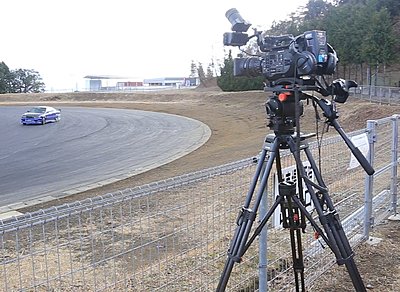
379	265
238	124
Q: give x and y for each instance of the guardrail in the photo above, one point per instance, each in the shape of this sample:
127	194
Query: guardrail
173	235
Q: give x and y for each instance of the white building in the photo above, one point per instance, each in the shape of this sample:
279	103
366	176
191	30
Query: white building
120	83
110	83
172	81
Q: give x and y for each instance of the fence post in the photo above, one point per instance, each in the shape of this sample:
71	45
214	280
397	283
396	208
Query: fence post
393	185
263	244
370	93
369	179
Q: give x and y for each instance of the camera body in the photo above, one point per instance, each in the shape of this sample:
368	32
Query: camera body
285	56
280	56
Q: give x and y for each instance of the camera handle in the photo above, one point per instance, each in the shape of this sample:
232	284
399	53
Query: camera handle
331	115
328	109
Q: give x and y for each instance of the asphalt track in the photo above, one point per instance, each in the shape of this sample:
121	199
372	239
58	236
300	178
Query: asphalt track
87	148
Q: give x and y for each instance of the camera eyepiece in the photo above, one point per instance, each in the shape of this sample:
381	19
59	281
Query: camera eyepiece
237	21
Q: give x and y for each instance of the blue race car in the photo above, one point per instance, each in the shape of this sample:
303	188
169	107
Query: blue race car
41	115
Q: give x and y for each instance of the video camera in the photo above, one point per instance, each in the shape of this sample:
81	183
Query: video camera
290	64
282	56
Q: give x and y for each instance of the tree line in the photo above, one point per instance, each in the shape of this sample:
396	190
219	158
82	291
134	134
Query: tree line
20	80
364	33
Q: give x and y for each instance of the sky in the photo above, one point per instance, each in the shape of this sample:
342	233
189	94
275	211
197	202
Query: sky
65	40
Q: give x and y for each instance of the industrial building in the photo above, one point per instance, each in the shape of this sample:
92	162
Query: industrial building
121	83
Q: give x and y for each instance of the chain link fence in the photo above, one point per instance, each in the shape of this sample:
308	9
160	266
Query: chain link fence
173	235
379	94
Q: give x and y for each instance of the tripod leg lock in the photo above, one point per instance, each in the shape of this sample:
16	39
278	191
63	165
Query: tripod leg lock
298	265
343	261
236	250
235	258
245	214
329	218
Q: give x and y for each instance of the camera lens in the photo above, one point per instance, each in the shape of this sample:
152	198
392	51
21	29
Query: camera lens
250	67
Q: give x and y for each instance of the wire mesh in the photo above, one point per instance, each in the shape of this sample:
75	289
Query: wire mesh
173	235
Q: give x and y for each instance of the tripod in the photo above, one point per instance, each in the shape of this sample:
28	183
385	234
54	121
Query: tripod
293	207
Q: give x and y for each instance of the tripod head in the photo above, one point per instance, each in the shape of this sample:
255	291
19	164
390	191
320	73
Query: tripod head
285	107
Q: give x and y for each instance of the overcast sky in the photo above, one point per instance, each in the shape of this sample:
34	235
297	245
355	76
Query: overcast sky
66	40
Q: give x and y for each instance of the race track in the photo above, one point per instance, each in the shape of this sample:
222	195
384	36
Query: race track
86	149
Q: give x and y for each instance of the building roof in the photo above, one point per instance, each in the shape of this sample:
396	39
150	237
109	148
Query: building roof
108	77
161	79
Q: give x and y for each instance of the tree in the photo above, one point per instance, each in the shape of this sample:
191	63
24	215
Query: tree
393	6
5	78
193	70
200	73
345	28
210	72
363	32
314	14
379	43
20	80
378	46
285	27
26	81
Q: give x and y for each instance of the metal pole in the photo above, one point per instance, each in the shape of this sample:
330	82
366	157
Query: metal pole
369	179
263	244
393	185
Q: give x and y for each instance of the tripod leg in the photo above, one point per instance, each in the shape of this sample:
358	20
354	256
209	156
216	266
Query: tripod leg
341	240
326	198
329	219
293	219
247	215
297	256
